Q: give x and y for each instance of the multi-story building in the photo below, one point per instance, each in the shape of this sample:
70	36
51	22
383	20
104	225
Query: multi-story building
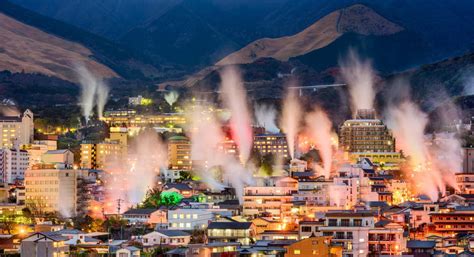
309	228
13	163
468	160
44	244
387	239
63	157
136	122
231	231
275	198
465	182
52	190
194	218
350	229
314	246
460	220
271	144
179	153
37	149
365	133
98	156
19	128
350	187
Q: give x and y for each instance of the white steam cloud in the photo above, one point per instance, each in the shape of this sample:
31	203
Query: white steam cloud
433	163
171	97
291	120
130	179
235	99
359	75
207	141
265	116
319	127
94	91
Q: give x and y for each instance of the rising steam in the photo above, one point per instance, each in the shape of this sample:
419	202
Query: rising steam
130	179
291	119
432	165
360	76
207	141
265	116
171	97
319	127
93	92
235	99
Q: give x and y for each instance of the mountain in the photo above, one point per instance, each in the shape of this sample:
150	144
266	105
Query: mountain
354	19
191	34
26	49
107	18
110	54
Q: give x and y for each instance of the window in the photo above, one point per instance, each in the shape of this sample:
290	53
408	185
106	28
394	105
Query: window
297	251
358	223
305	229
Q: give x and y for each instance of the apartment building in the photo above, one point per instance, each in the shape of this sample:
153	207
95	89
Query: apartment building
18	128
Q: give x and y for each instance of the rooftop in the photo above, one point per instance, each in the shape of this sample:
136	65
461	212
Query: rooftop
229	225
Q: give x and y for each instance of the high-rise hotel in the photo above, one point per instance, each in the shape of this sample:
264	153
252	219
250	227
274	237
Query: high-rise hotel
367	136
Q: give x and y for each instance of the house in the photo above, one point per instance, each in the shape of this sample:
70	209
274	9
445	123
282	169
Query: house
242	232
44	245
183	189
213	249
349	228
262	224
308	228
128	251
194	217
278	235
419	248
314	246
166	237
145	216
387	238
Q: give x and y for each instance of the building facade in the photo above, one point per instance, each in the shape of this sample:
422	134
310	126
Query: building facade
19	128
365	133
179	153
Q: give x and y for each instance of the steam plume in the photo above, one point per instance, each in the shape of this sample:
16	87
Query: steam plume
235	99
171	97
291	120
266	117
319	127
432	168
359	75
130	179
207	138
93	91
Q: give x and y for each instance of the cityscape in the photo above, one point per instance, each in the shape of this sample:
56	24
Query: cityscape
236	140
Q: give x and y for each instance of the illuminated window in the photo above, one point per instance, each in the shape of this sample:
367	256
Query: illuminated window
296	251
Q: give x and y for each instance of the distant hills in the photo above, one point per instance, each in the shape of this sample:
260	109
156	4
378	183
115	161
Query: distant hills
108	53
357	19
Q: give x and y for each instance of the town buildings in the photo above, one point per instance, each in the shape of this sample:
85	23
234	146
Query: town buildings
179	153
19	128
13	163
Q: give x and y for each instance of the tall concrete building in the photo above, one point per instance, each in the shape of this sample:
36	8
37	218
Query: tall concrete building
66	191
271	144
468	160
179	153
19	127
365	133
52	190
114	148
13	163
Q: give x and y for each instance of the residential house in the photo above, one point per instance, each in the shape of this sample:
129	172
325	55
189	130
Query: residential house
44	245
166	237
314	246
223	232
145	216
